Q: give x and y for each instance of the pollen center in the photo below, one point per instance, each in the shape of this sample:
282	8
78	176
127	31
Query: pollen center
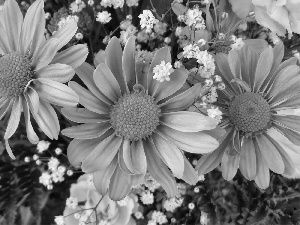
15	73
250	112
135	116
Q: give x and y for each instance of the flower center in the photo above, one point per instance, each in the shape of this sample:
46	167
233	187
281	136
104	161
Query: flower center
15	73
135	116
250	112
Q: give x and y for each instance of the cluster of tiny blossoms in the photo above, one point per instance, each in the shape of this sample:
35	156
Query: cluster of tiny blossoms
147	20
193	18
162	71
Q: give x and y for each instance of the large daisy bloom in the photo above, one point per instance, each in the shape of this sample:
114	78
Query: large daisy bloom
32	72
133	123
106	210
260	135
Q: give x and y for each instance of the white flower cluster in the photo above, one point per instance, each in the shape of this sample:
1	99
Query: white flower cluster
147	197
144	56
238	43
172	203
54	174
193	18
123	202
163	71
206	61
128	30
160	28
59	220
42	146
72	202
159	217
103	17
65	20
77	6
114	3
147	20
215	113
204	218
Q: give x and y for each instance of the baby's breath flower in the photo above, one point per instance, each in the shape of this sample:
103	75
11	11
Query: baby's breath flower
35	157
218	79
191	206
196	190
45	179
79	36
238	43
75	8
66	20
50	187
221	86
172	203
118	3
47	15
147	20
142	36
201	178
70	172
193	17
151	222
58	151
38	162
147	198
57	176
138	215
201	42
178	31
177	64
53	164
27	159
91	2
163	71
167	40
131	3
159	217
103	17
203	219
59	220
106	3
42	146
72	202
61	169
123	202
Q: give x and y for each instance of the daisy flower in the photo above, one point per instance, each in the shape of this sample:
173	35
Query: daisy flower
259	136
133	123
32	72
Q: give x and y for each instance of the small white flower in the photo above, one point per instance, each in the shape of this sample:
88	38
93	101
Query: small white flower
50	187
79	36
147	198
203	219
215	113
147	20
167	40
163	71
159	217
45	179
77	7
218	79
201	178
106	3
193	17
38	162
69	172
191	206
177	64
65	20
91	2
221	86
61	169
59	220
209	82
35	157
47	15
139	215
178	31
118	3
238	43
27	159
58	151
72	202
103	17
172	203
201	42
131	3
42	146
151	222
57	177
196	190
53	164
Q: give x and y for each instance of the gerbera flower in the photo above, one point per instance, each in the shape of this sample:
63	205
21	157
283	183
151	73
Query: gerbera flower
134	123
32	72
259	136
